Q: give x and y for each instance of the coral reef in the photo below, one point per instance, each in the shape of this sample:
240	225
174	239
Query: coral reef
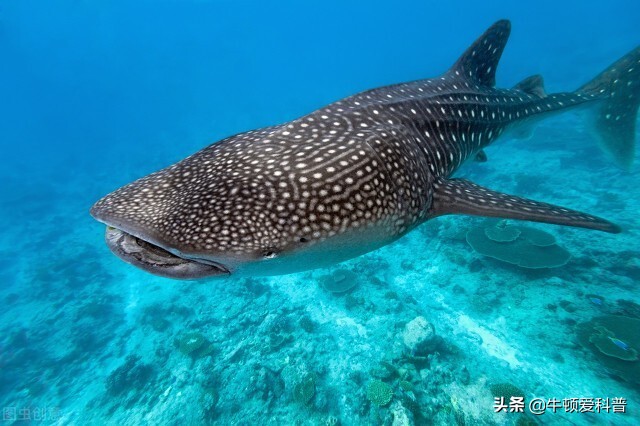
607	343
305	389
522	246
383	371
278	339
379	393
615	341
307	324
502	233
406	386
339	281
627	308
300	383
131	375
195	345
506	391
161	317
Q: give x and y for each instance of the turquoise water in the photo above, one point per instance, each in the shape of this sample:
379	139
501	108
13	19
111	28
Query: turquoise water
94	96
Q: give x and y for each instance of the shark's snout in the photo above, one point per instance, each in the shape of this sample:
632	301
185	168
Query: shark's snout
156	260
131	243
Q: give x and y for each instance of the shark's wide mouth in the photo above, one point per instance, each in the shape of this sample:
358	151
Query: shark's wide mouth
157	260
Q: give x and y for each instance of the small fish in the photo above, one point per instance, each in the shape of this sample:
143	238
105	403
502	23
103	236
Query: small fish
596	301
619	343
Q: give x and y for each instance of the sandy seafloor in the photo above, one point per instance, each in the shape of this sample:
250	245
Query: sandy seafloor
86	339
74	314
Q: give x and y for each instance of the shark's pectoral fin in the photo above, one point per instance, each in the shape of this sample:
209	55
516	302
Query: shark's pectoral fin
459	196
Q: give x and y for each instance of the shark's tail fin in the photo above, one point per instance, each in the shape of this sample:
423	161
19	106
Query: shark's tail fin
615	120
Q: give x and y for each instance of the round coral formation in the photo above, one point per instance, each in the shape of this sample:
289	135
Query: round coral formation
606	341
379	392
506	391
195	345
339	281
522	246
615	341
304	391
191	342
502	232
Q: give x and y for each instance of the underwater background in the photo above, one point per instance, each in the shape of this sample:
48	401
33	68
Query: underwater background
428	330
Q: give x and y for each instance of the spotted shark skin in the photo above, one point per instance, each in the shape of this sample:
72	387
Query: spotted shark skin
354	175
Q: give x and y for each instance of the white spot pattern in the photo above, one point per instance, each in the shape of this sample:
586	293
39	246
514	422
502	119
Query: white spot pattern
368	160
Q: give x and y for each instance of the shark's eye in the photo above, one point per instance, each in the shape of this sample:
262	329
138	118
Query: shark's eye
269	254
303	240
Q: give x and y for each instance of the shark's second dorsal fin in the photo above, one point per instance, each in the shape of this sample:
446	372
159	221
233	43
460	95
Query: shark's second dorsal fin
459	196
533	85
479	62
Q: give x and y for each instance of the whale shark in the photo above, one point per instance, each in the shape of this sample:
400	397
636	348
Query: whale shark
357	174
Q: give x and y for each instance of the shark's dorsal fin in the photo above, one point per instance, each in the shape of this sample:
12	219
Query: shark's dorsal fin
479	62
533	85
459	196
